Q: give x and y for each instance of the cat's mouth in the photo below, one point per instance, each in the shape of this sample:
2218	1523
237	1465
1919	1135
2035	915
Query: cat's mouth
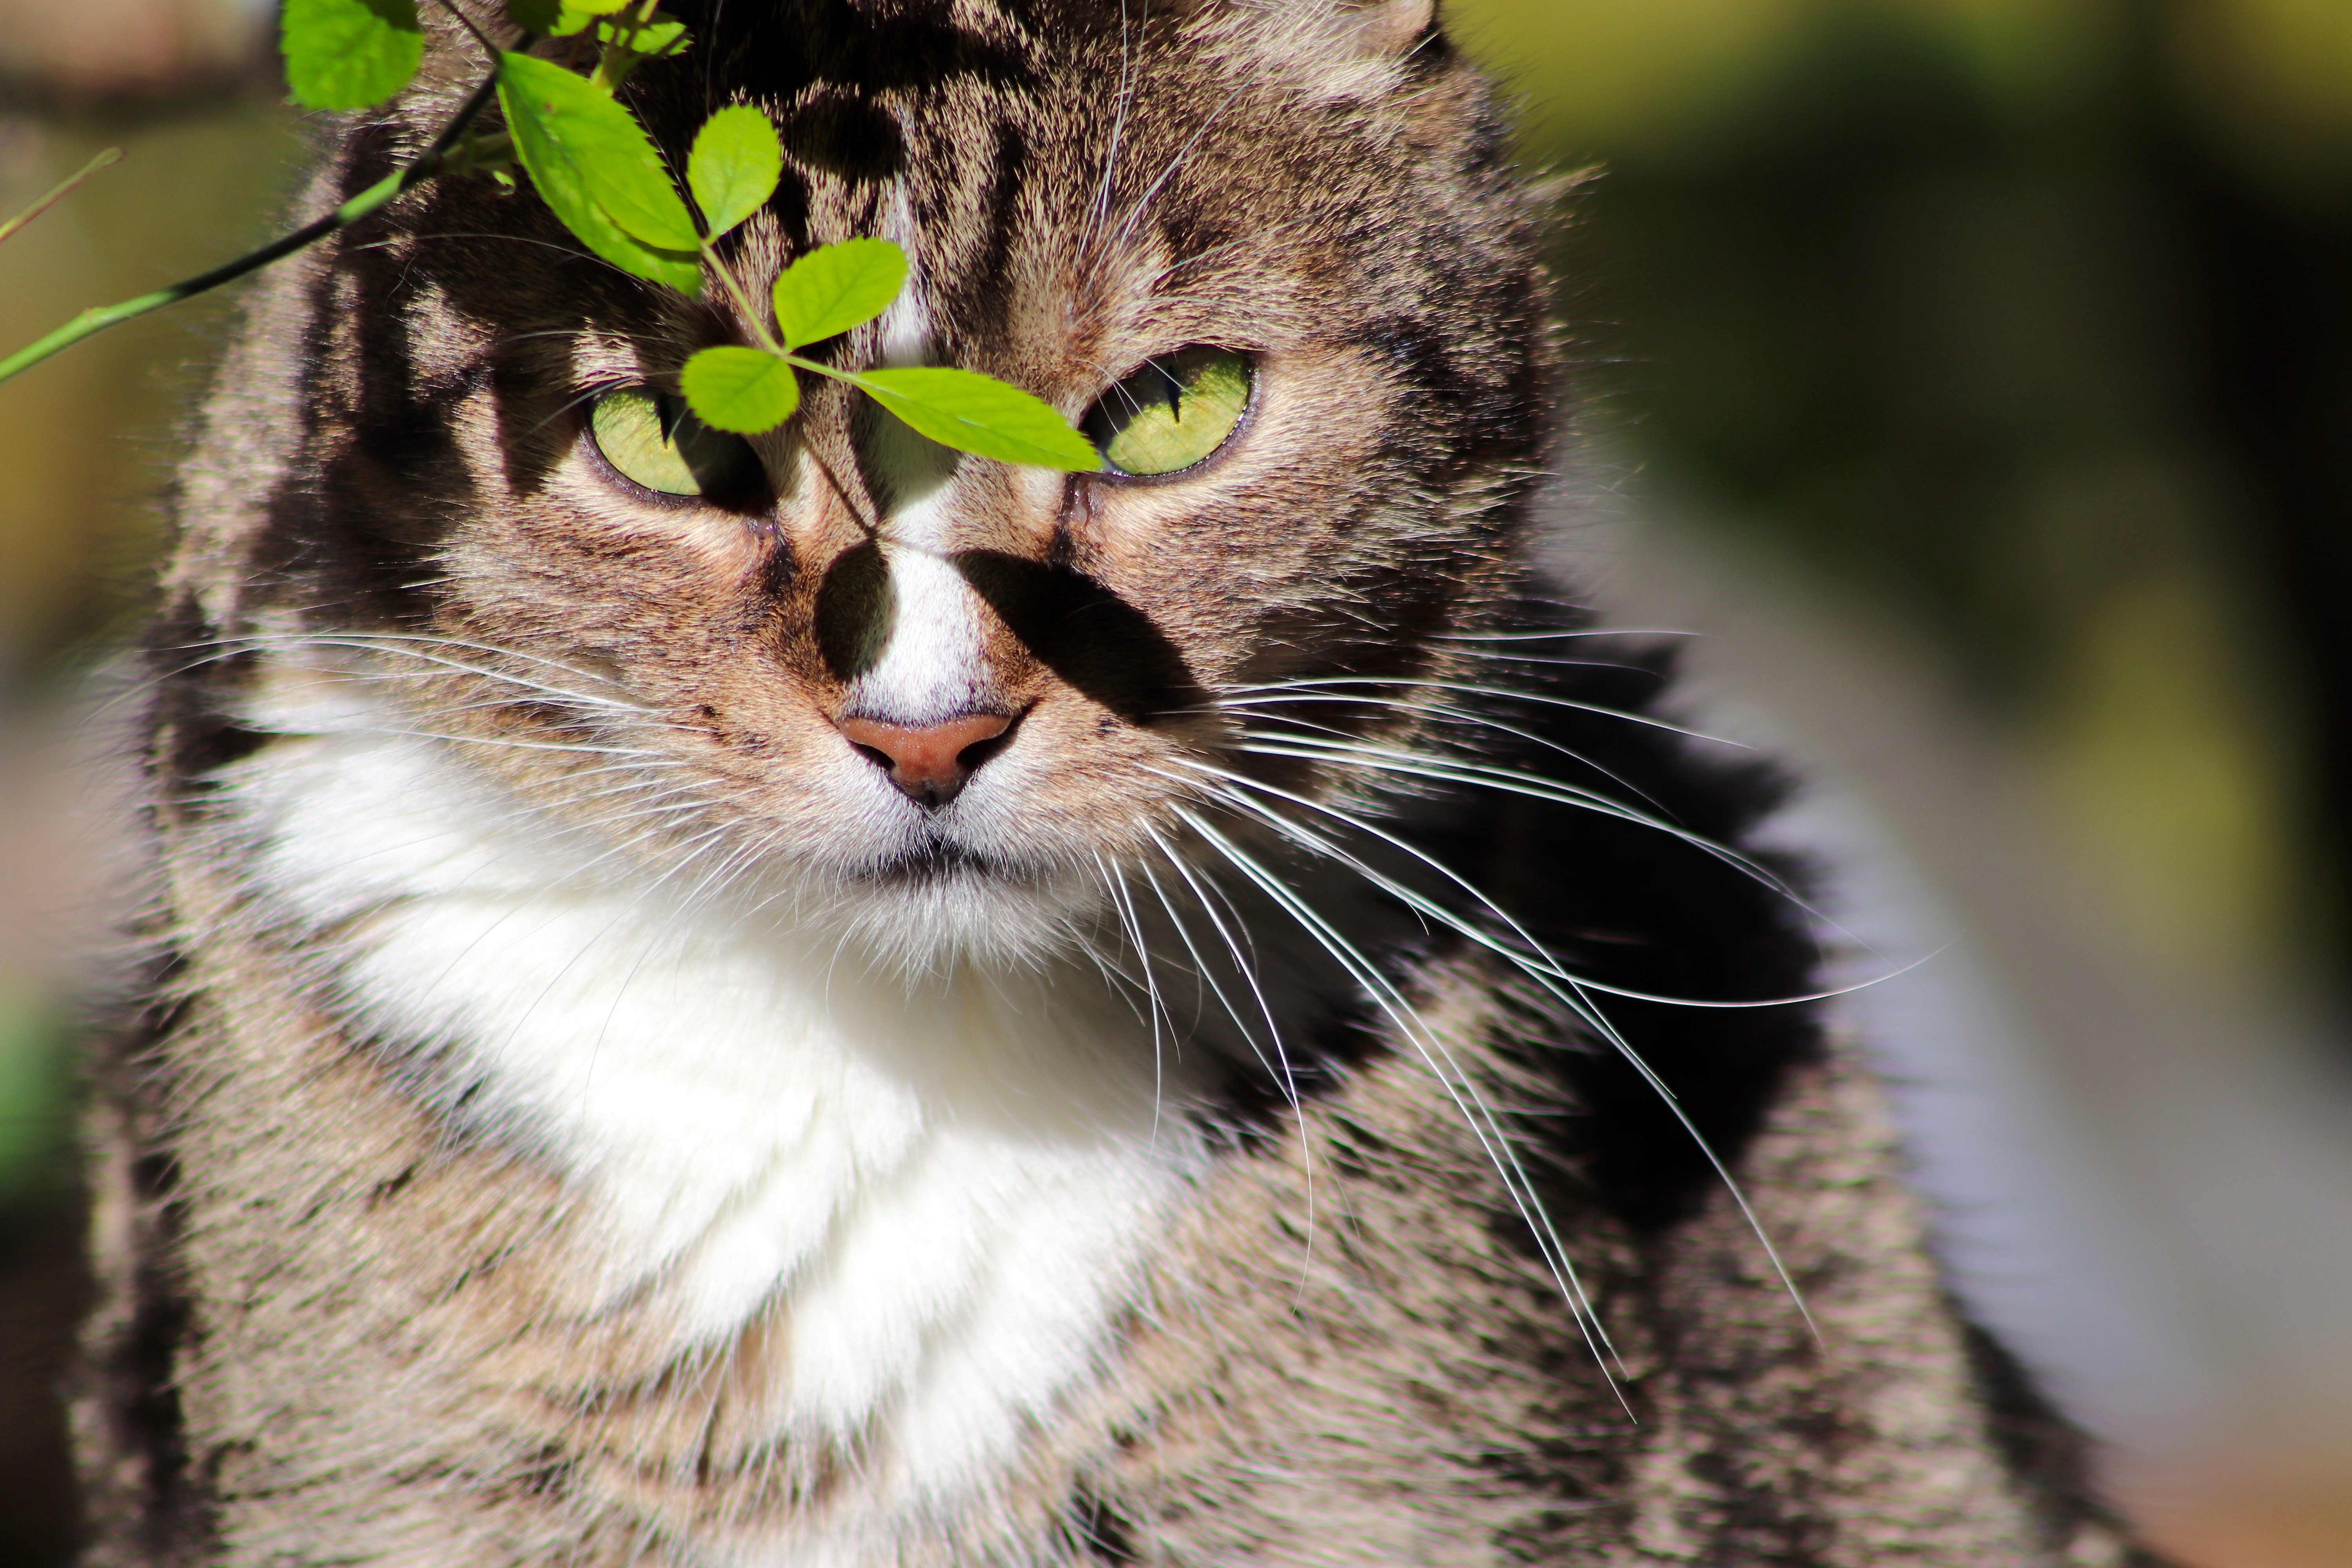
939	859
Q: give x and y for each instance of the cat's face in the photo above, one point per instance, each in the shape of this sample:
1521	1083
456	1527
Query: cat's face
936	697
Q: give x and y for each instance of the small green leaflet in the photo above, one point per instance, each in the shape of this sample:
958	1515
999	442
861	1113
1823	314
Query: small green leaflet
598	172
349	54
743	390
624	173
560	17
837	286
976	414
655	38
734	166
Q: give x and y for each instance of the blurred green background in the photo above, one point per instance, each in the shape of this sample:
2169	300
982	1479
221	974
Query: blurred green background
2023	325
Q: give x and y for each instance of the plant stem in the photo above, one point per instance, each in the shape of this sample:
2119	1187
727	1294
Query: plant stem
92	321
112	155
753	317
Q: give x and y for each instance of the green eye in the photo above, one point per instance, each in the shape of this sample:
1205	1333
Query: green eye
1172	413
653	439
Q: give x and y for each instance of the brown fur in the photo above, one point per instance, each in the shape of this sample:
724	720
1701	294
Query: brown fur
340	1327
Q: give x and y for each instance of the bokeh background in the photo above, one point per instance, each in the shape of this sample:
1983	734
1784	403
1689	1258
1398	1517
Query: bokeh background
1975	377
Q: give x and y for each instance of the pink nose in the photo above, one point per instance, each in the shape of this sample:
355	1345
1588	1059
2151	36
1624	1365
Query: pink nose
931	761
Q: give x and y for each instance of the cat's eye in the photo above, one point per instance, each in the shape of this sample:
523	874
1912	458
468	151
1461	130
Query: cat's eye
653	439
1173	412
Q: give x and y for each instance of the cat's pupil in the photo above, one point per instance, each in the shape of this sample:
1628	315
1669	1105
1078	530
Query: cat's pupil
1172	413
652	439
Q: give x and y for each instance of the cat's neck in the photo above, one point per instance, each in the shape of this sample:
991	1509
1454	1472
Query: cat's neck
944	1186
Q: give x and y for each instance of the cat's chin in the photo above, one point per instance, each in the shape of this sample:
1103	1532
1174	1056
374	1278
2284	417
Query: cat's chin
935	910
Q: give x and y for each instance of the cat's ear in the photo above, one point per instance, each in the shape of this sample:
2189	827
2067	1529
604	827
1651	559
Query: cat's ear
1386	28
1334	49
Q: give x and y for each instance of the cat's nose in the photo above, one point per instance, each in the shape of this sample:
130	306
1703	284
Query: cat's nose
929	762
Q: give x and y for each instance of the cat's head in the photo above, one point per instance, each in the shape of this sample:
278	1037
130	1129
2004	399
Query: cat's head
1270	252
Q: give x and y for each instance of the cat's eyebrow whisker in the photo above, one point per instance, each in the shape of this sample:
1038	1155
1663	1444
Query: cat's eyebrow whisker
1135	214
1479	1117
507	339
1099	210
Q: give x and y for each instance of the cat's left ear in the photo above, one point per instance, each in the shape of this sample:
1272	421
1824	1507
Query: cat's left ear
1335	49
1386	28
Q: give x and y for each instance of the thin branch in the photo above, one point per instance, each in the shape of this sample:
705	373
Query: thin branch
112	155
92	321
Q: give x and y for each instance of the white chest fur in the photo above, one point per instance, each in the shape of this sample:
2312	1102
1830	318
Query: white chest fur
951	1186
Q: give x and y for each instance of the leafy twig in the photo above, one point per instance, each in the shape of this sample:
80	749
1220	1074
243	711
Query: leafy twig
392	185
601	177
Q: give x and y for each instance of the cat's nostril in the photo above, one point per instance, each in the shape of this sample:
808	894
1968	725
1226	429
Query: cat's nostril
929	762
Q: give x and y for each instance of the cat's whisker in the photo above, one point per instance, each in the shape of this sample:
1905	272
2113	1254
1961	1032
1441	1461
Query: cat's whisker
1441	710
1546	661
419	646
1115	885
1537	1214
1330	682
1478	1118
1278	1066
504	742
1204	983
1547	972
1558	634
588	394
1509	782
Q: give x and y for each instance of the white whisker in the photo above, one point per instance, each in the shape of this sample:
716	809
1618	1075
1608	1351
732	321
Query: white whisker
1477	1116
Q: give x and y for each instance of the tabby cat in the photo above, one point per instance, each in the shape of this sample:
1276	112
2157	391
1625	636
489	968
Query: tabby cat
806	1001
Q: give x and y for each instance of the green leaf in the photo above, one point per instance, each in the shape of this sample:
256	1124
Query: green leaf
616	160
349	54
534	15
575	15
580	149
658	39
742	390
837	286
734	166
980	415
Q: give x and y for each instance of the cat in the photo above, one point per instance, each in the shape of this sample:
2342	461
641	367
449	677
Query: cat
805	1001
